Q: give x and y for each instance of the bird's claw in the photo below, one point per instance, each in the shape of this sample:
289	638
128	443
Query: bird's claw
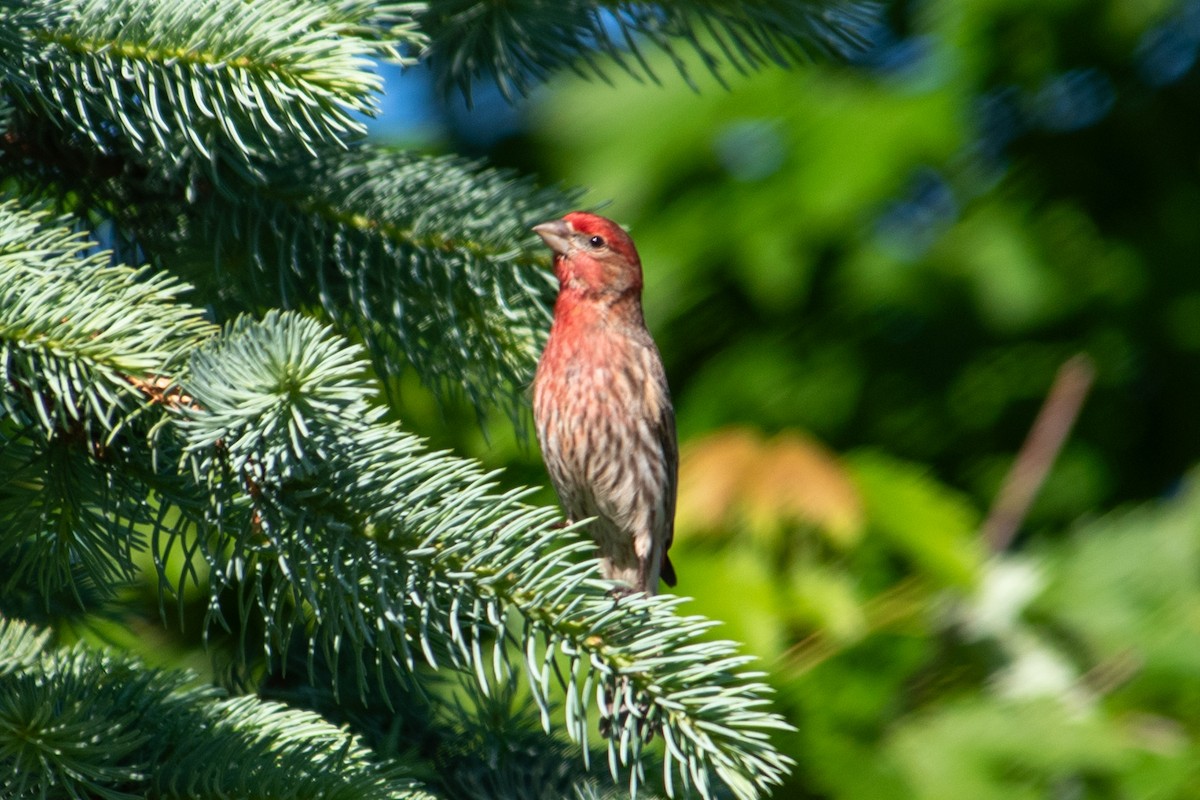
621	590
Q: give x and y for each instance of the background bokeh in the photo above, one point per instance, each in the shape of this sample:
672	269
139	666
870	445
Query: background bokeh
863	277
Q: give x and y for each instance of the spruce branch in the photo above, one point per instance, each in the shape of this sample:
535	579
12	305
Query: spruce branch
475	745
78	722
341	528
428	259
17	17
391	26
74	331
73	327
227	81
519	44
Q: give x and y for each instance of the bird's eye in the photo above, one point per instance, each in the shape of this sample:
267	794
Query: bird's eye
596	241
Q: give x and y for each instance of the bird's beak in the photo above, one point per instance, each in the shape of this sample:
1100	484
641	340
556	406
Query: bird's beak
556	235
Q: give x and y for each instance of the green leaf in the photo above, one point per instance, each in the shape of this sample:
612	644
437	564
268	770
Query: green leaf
989	749
932	525
1126	585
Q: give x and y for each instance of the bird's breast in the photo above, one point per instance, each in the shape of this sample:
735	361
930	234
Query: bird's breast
585	395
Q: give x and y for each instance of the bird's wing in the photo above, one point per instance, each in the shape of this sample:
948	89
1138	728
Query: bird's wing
667	440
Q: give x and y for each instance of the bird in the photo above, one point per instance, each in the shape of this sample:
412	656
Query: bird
602	407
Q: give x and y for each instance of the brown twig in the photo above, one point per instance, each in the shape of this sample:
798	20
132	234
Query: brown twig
1038	452
161	390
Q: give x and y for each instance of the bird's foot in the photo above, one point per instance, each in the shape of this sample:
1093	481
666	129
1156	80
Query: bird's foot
621	590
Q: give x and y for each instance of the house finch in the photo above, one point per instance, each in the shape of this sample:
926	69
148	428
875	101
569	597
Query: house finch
601	404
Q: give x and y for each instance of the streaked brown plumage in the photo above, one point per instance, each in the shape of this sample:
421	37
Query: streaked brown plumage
601	404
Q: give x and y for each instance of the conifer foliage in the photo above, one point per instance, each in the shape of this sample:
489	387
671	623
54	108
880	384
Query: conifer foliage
200	398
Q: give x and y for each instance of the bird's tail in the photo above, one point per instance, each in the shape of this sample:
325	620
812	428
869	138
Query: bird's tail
668	571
